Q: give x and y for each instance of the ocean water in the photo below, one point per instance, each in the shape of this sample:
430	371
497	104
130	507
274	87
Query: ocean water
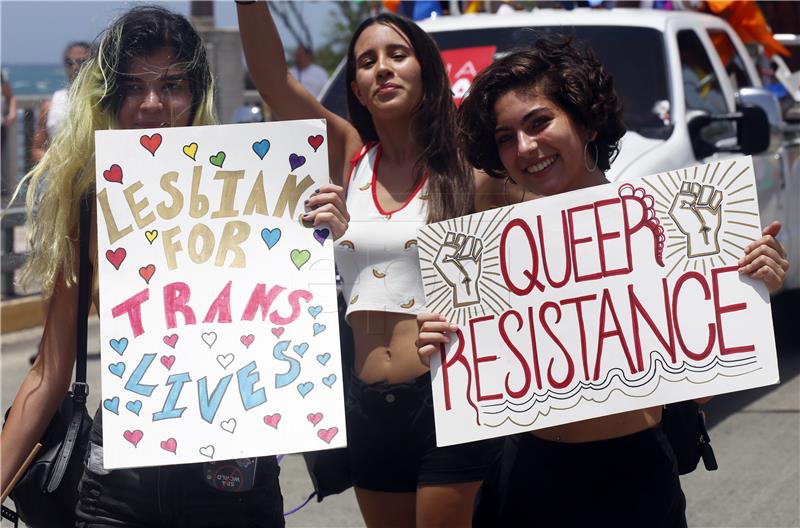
35	79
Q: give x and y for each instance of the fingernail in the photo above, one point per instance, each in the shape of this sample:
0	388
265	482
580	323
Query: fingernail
316	191
305	215
305	203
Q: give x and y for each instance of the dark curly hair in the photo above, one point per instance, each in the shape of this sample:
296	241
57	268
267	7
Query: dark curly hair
559	68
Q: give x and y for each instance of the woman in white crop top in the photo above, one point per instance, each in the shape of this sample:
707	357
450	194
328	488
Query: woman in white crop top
401	168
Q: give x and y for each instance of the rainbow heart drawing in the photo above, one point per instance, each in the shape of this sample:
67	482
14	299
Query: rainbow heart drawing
299	257
217	159
170	444
300	349
116	257
329	380
151	235
296	161
314	311
112	404
151	143
134	406
170	340
314	418
190	150
271	236
272	420
119	345
305	388
323	359
261	148
320	235
113	174
117	369
315	141
326	435
168	361
133	437
319	328
247	340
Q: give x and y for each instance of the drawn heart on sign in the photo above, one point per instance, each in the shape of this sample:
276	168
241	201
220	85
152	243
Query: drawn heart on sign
112	404
320	235
217	159
147	272
272	420
168	361
329	380
315	141
296	161
151	143
300	349
170	340
314	311
119	345
116	257
277	331
271	236
151	235
134	406
117	369
225	360
319	328
326	435
133	437
190	150
229	426
170	444
207	451
113	174
314	418
261	148
323	359
209	338
247	340
299	258
305	388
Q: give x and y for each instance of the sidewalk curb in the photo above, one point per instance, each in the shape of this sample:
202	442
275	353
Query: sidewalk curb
21	314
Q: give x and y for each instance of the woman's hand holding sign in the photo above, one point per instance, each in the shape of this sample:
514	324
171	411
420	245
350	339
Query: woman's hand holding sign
766	259
433	330
327	206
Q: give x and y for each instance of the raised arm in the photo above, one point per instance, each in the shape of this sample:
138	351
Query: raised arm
286	97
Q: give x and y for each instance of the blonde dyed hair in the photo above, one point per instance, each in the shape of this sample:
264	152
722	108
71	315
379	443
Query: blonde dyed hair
57	185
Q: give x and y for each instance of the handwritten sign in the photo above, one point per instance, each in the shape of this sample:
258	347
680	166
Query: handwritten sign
219	329
598	301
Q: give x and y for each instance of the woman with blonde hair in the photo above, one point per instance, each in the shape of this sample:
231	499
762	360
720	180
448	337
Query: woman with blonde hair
150	70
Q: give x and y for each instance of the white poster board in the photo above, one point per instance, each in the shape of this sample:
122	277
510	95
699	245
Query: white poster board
589	303
219	328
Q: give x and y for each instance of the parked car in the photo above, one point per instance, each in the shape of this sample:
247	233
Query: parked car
685	102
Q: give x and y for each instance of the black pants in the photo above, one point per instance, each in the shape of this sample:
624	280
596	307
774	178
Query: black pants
172	496
623	482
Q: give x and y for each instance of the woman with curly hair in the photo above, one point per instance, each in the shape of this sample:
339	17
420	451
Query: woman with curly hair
149	70
548	119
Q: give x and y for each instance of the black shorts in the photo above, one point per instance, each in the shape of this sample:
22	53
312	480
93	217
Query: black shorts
391	440
630	481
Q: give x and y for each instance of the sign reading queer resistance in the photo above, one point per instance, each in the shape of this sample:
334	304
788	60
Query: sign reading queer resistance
219	329
598	301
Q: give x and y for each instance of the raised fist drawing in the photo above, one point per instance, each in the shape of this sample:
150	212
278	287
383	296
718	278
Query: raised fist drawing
697	212
459	263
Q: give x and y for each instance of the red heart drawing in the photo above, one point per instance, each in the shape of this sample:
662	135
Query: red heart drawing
167	361
277	331
151	143
315	141
314	418
247	340
146	272
133	436
327	434
116	257
272	420
170	340
113	174
170	444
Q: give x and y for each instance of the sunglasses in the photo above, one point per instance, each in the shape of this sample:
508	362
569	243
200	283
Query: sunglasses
74	62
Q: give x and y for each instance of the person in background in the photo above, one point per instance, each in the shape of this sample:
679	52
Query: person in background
548	118
312	76
53	110
9	107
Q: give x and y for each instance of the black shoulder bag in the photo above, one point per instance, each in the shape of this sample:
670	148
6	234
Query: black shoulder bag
684	425
47	493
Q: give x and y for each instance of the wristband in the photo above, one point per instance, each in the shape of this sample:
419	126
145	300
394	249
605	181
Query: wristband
245	2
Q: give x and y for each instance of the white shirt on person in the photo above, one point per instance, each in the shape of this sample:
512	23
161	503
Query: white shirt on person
312	78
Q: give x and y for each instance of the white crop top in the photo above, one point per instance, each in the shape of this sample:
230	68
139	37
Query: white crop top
377	257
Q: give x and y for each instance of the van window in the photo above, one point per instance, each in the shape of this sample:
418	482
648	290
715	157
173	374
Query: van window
731	60
634	56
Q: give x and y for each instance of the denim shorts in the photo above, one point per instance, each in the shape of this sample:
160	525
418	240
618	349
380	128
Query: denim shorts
392	441
172	496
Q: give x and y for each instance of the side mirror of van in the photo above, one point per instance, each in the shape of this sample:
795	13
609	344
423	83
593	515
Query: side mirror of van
766	100
752	131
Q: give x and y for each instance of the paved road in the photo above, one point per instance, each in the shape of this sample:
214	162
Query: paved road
755	434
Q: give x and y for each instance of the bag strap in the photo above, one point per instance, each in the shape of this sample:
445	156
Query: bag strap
80	389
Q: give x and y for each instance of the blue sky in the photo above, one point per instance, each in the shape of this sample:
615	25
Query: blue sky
35	32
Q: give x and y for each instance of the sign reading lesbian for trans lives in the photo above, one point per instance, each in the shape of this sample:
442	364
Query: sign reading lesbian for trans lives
219	334
598	301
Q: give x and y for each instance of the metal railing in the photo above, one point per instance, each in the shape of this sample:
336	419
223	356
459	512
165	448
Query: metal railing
16	161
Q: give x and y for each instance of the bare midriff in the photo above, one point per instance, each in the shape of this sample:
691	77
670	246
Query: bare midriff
603	428
384	347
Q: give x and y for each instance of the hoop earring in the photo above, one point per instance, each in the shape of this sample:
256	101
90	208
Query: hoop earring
586	155
505	191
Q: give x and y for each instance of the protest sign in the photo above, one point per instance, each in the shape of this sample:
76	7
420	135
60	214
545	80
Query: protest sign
597	301
218	317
